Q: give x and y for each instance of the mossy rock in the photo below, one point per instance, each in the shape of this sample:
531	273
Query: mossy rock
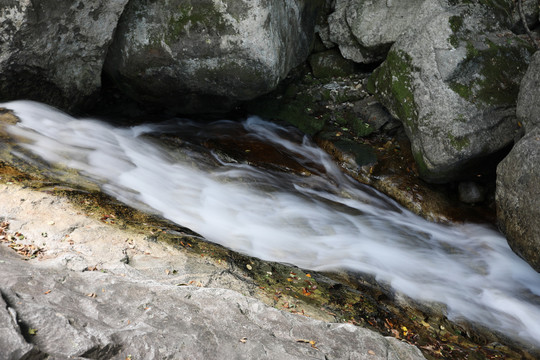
457	102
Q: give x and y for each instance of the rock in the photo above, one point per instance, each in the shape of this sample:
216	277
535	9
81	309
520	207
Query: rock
528	103
374	114
471	192
531	10
518	198
209	55
365	30
102	315
329	64
454	83
12	343
54	51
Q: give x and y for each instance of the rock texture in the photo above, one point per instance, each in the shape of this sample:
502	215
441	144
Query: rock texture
454	82
518	198
365	30
518	175
58	304
54	51
528	104
209	54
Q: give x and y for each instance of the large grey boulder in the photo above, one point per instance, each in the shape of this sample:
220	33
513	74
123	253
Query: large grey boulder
528	104
208	54
53	51
454	82
518	198
68	314
364	30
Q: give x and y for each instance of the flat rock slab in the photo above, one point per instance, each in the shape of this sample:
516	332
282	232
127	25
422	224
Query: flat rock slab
129	310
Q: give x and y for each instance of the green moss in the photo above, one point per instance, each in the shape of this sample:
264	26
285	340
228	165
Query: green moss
459	143
500	65
203	16
422	166
392	83
456	23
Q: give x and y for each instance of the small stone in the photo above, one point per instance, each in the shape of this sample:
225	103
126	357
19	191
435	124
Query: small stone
471	192
249	267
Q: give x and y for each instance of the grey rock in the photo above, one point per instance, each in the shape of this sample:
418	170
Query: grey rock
101	315
453	82
528	104
518	198
364	30
330	63
208	55
12	343
373	113
54	51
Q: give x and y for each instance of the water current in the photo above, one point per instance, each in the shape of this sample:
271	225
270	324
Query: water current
317	218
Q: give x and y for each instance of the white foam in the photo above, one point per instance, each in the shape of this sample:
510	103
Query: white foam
321	222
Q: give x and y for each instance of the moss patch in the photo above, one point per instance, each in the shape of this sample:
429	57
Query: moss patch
392	83
500	65
201	17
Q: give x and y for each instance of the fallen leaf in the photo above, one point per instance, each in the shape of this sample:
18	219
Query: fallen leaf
92	295
47	292
308	275
32	331
311	342
371	352
243	340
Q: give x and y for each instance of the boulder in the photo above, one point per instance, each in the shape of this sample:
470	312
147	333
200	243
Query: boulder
54	51
528	103
364	30
208	55
518	198
453	82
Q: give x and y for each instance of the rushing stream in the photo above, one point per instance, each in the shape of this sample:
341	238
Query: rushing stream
316	218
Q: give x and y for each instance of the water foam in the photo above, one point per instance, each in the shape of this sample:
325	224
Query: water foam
321	222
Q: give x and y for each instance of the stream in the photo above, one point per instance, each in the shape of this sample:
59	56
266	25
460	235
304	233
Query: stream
311	215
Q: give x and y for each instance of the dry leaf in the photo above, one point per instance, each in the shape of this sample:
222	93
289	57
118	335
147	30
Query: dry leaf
243	340
47	292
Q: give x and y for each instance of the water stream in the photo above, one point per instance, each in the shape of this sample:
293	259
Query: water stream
316	218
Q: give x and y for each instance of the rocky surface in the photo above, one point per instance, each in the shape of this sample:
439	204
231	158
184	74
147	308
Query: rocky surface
86	289
209	54
518	194
528	104
454	84
54	51
365	30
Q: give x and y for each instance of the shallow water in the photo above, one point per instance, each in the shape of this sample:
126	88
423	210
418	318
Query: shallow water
317	219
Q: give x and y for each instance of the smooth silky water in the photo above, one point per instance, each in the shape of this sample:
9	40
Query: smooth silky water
321	221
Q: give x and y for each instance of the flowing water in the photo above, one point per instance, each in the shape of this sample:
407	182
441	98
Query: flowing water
316	217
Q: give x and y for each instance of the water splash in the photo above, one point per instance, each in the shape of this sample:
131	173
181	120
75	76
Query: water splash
323	221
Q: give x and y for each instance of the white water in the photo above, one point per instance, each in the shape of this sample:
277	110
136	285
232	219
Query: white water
320	222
